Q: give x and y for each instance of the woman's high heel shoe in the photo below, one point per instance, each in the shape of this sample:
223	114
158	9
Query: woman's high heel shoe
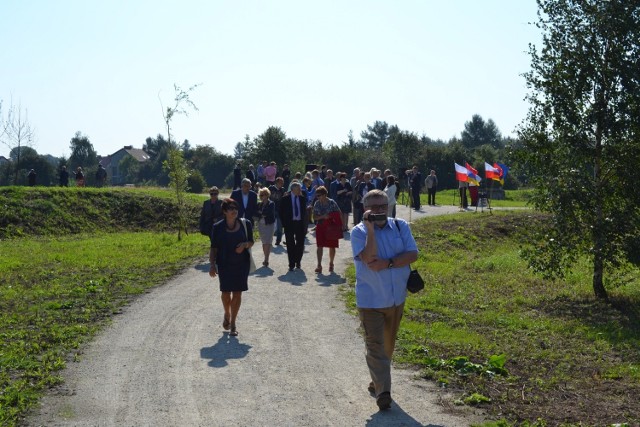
318	269
331	267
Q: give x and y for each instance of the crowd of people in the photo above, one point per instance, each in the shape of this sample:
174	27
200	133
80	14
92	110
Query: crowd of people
281	205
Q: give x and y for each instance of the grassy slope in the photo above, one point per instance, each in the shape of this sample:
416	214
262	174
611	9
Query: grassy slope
57	288
568	357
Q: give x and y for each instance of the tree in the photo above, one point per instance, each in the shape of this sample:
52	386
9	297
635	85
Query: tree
179	174
214	166
404	150
175	164
154	146
377	135
243	149
477	132
16	132
82	152
272	144
580	140
181	97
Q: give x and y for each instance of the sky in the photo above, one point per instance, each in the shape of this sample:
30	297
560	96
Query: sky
317	69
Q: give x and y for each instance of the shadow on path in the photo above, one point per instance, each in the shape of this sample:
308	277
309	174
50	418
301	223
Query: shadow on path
395	416
226	348
203	266
328	279
296	277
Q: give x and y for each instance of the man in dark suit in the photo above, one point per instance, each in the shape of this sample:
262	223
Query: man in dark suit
246	199
292	211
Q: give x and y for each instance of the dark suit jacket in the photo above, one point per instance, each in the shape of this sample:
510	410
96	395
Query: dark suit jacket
252	204
286	210
252	176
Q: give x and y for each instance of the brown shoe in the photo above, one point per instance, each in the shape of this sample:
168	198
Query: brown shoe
384	401
234	331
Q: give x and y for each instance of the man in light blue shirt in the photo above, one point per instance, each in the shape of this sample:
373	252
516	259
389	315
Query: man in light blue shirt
383	250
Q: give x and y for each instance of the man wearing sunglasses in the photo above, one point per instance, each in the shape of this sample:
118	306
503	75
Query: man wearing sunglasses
383	250
211	212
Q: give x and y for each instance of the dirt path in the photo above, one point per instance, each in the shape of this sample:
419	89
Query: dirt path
298	361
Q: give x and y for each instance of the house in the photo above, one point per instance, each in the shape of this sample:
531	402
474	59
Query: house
112	163
3	160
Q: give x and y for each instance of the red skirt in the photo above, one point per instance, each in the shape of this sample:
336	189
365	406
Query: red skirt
329	231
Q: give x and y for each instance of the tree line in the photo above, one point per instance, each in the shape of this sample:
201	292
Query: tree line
381	145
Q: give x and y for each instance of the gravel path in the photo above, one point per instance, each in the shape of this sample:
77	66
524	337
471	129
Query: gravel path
298	360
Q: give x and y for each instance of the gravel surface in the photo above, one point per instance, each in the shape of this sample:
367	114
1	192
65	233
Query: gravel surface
298	359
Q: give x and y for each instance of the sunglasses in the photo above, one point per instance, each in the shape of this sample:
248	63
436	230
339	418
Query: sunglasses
231	208
213	194
378	207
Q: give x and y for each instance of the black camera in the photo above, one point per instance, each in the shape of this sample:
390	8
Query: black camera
377	217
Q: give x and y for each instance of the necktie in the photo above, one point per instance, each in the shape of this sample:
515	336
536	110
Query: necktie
296	211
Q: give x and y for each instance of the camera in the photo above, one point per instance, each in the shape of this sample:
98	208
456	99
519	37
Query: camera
377	217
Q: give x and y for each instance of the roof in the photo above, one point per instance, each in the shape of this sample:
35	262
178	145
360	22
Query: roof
137	153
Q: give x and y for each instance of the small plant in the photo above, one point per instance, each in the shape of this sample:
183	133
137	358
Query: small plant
476	399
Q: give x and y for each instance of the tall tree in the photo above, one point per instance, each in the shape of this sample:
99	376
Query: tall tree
377	135
82	152
271	145
242	151
477	132
581	139
154	146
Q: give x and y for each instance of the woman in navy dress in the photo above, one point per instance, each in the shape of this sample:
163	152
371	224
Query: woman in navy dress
230	259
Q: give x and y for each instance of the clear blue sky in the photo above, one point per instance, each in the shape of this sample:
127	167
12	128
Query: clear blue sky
317	69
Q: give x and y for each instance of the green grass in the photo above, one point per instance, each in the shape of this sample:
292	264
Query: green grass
70	258
568	358
56	292
27	211
513	198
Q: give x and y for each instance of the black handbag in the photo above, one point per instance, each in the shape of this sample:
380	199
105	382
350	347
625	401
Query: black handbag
415	282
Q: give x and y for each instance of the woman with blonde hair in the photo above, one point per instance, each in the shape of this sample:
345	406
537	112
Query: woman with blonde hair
266	219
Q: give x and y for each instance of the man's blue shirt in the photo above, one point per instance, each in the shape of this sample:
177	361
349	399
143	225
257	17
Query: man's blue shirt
388	287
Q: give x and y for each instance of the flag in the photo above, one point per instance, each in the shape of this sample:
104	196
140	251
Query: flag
504	169
490	172
472	175
461	173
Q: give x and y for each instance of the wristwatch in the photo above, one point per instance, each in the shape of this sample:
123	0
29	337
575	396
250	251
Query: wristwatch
390	265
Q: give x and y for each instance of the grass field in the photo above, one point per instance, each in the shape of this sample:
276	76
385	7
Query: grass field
506	340
55	293
513	198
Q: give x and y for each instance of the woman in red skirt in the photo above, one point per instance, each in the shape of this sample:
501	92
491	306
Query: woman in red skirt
329	228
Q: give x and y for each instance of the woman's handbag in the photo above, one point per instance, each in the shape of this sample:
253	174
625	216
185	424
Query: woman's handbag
415	282
252	263
333	226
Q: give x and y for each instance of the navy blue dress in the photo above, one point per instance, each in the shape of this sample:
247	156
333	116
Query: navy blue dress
233	268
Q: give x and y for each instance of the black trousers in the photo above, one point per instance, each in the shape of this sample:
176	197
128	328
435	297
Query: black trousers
463	197
294	233
432	196
358	212
416	198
